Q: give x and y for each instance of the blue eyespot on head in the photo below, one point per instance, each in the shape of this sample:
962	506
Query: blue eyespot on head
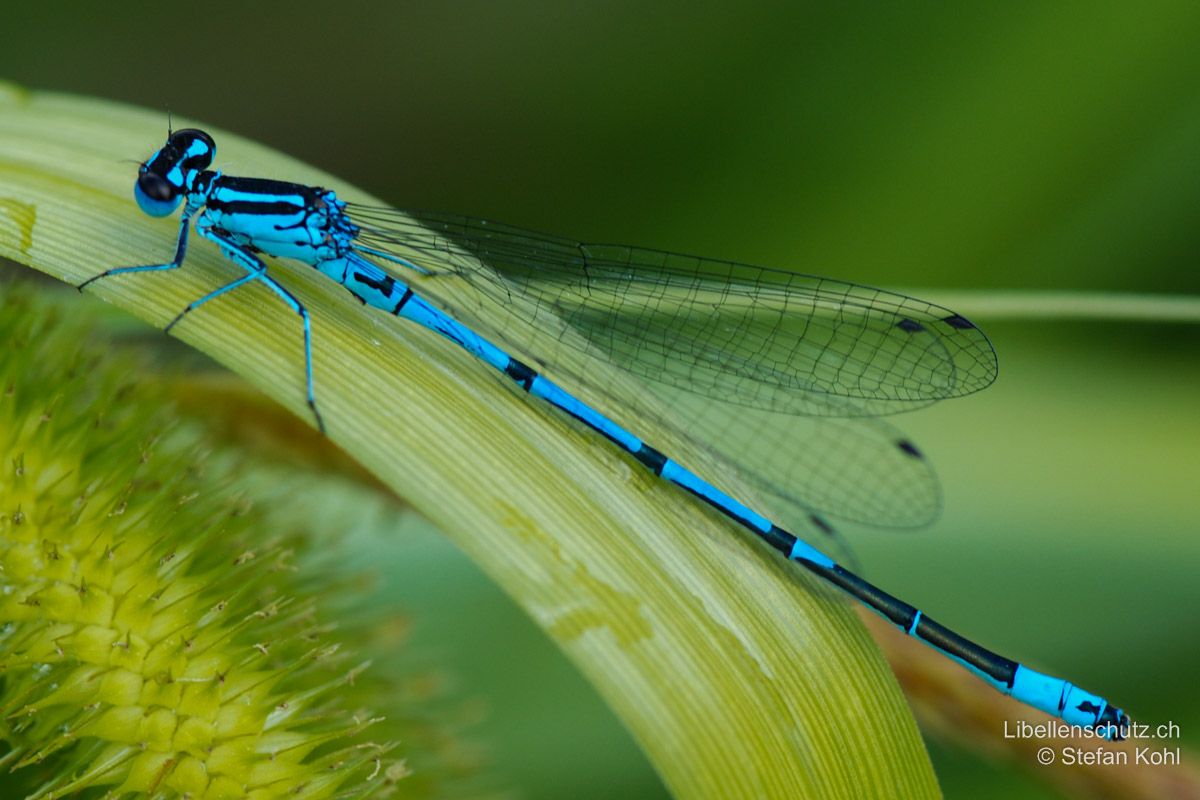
155	195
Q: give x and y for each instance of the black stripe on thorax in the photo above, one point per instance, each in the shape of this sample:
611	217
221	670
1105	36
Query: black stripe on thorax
261	196
267	186
254	207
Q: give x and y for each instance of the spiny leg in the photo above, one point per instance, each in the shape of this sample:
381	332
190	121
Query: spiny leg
192	306
258	271
176	263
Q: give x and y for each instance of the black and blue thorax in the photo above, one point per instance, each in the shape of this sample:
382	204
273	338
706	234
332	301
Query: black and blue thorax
289	220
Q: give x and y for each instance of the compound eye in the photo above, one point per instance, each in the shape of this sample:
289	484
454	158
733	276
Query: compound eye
156	187
155	195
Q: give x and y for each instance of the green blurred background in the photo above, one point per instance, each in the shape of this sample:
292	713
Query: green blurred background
934	146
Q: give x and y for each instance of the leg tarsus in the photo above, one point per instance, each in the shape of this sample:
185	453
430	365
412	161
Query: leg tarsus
122	270
312	404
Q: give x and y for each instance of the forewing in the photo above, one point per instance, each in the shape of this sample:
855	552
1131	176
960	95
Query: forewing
744	335
754	378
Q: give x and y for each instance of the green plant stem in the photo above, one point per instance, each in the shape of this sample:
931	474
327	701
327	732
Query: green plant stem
1060	305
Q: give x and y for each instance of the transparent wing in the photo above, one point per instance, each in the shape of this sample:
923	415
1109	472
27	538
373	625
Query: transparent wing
740	334
856	469
755	378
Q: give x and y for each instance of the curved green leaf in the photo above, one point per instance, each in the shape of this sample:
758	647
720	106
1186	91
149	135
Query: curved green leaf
739	675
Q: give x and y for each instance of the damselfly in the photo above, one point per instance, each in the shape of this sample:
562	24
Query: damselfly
752	348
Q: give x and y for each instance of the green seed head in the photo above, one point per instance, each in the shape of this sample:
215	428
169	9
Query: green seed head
155	635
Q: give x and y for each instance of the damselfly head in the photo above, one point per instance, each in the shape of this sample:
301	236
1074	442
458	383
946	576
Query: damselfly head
164	178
